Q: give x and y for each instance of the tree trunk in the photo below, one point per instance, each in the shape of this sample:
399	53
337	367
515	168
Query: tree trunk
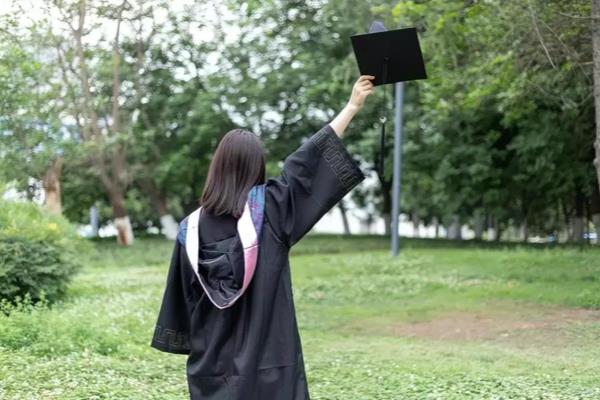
595	213
498	234
454	232
169	226
342	207
525	231
387	222
436	223
51	185
596	56
567	220
496	229
578	220
478	222
525	210
113	170
588	221
596	222
386	211
577	229
368	222
121	219
416	221
491	232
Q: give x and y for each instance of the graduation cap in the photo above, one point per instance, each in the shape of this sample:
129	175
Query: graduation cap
391	56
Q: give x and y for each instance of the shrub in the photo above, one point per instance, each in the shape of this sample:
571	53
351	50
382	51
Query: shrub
37	252
32	267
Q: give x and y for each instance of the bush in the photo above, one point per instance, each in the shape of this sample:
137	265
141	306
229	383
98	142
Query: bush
34	268
37	253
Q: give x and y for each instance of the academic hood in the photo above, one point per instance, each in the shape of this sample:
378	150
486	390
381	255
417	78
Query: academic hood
225	268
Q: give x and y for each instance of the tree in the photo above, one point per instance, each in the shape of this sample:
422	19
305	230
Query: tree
596	56
506	116
290	71
33	137
97	113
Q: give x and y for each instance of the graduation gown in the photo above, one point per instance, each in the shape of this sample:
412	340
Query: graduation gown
228	301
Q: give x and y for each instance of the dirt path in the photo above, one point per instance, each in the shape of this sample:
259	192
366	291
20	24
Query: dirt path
519	326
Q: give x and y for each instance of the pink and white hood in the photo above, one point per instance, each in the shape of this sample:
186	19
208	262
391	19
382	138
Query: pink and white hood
225	268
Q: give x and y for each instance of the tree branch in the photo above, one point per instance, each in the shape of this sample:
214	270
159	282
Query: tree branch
578	16
539	35
116	123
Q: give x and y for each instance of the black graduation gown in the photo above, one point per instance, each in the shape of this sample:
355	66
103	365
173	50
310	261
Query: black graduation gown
252	350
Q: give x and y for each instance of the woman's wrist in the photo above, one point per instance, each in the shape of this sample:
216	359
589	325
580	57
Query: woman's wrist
341	121
362	88
352	108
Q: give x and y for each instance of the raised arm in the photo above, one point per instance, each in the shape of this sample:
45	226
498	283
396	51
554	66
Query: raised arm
362	88
315	176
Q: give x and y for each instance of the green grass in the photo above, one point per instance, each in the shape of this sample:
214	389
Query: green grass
355	304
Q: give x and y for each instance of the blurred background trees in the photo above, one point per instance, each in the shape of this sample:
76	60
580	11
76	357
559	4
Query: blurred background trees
121	103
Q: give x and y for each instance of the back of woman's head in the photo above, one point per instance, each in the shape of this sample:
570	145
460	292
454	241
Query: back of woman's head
237	165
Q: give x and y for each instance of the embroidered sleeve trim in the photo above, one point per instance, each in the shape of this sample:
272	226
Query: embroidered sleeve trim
337	156
170	340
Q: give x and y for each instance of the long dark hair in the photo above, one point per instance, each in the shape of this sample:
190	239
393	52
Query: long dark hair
237	165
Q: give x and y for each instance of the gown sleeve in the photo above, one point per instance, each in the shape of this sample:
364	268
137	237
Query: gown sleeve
172	330
314	178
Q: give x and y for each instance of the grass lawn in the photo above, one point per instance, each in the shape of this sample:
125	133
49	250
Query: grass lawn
438	322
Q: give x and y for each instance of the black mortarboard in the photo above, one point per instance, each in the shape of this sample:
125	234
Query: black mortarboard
391	56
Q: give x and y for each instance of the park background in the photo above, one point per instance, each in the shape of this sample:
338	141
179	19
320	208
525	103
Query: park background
117	105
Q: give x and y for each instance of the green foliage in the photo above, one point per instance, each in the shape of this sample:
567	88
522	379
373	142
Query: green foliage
303	75
26	219
30	129
500	131
32	267
39	253
503	127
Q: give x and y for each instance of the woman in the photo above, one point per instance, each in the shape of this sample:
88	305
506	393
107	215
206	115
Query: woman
228	300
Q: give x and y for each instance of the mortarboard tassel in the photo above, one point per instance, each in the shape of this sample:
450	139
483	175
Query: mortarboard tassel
382	121
377	26
391	56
